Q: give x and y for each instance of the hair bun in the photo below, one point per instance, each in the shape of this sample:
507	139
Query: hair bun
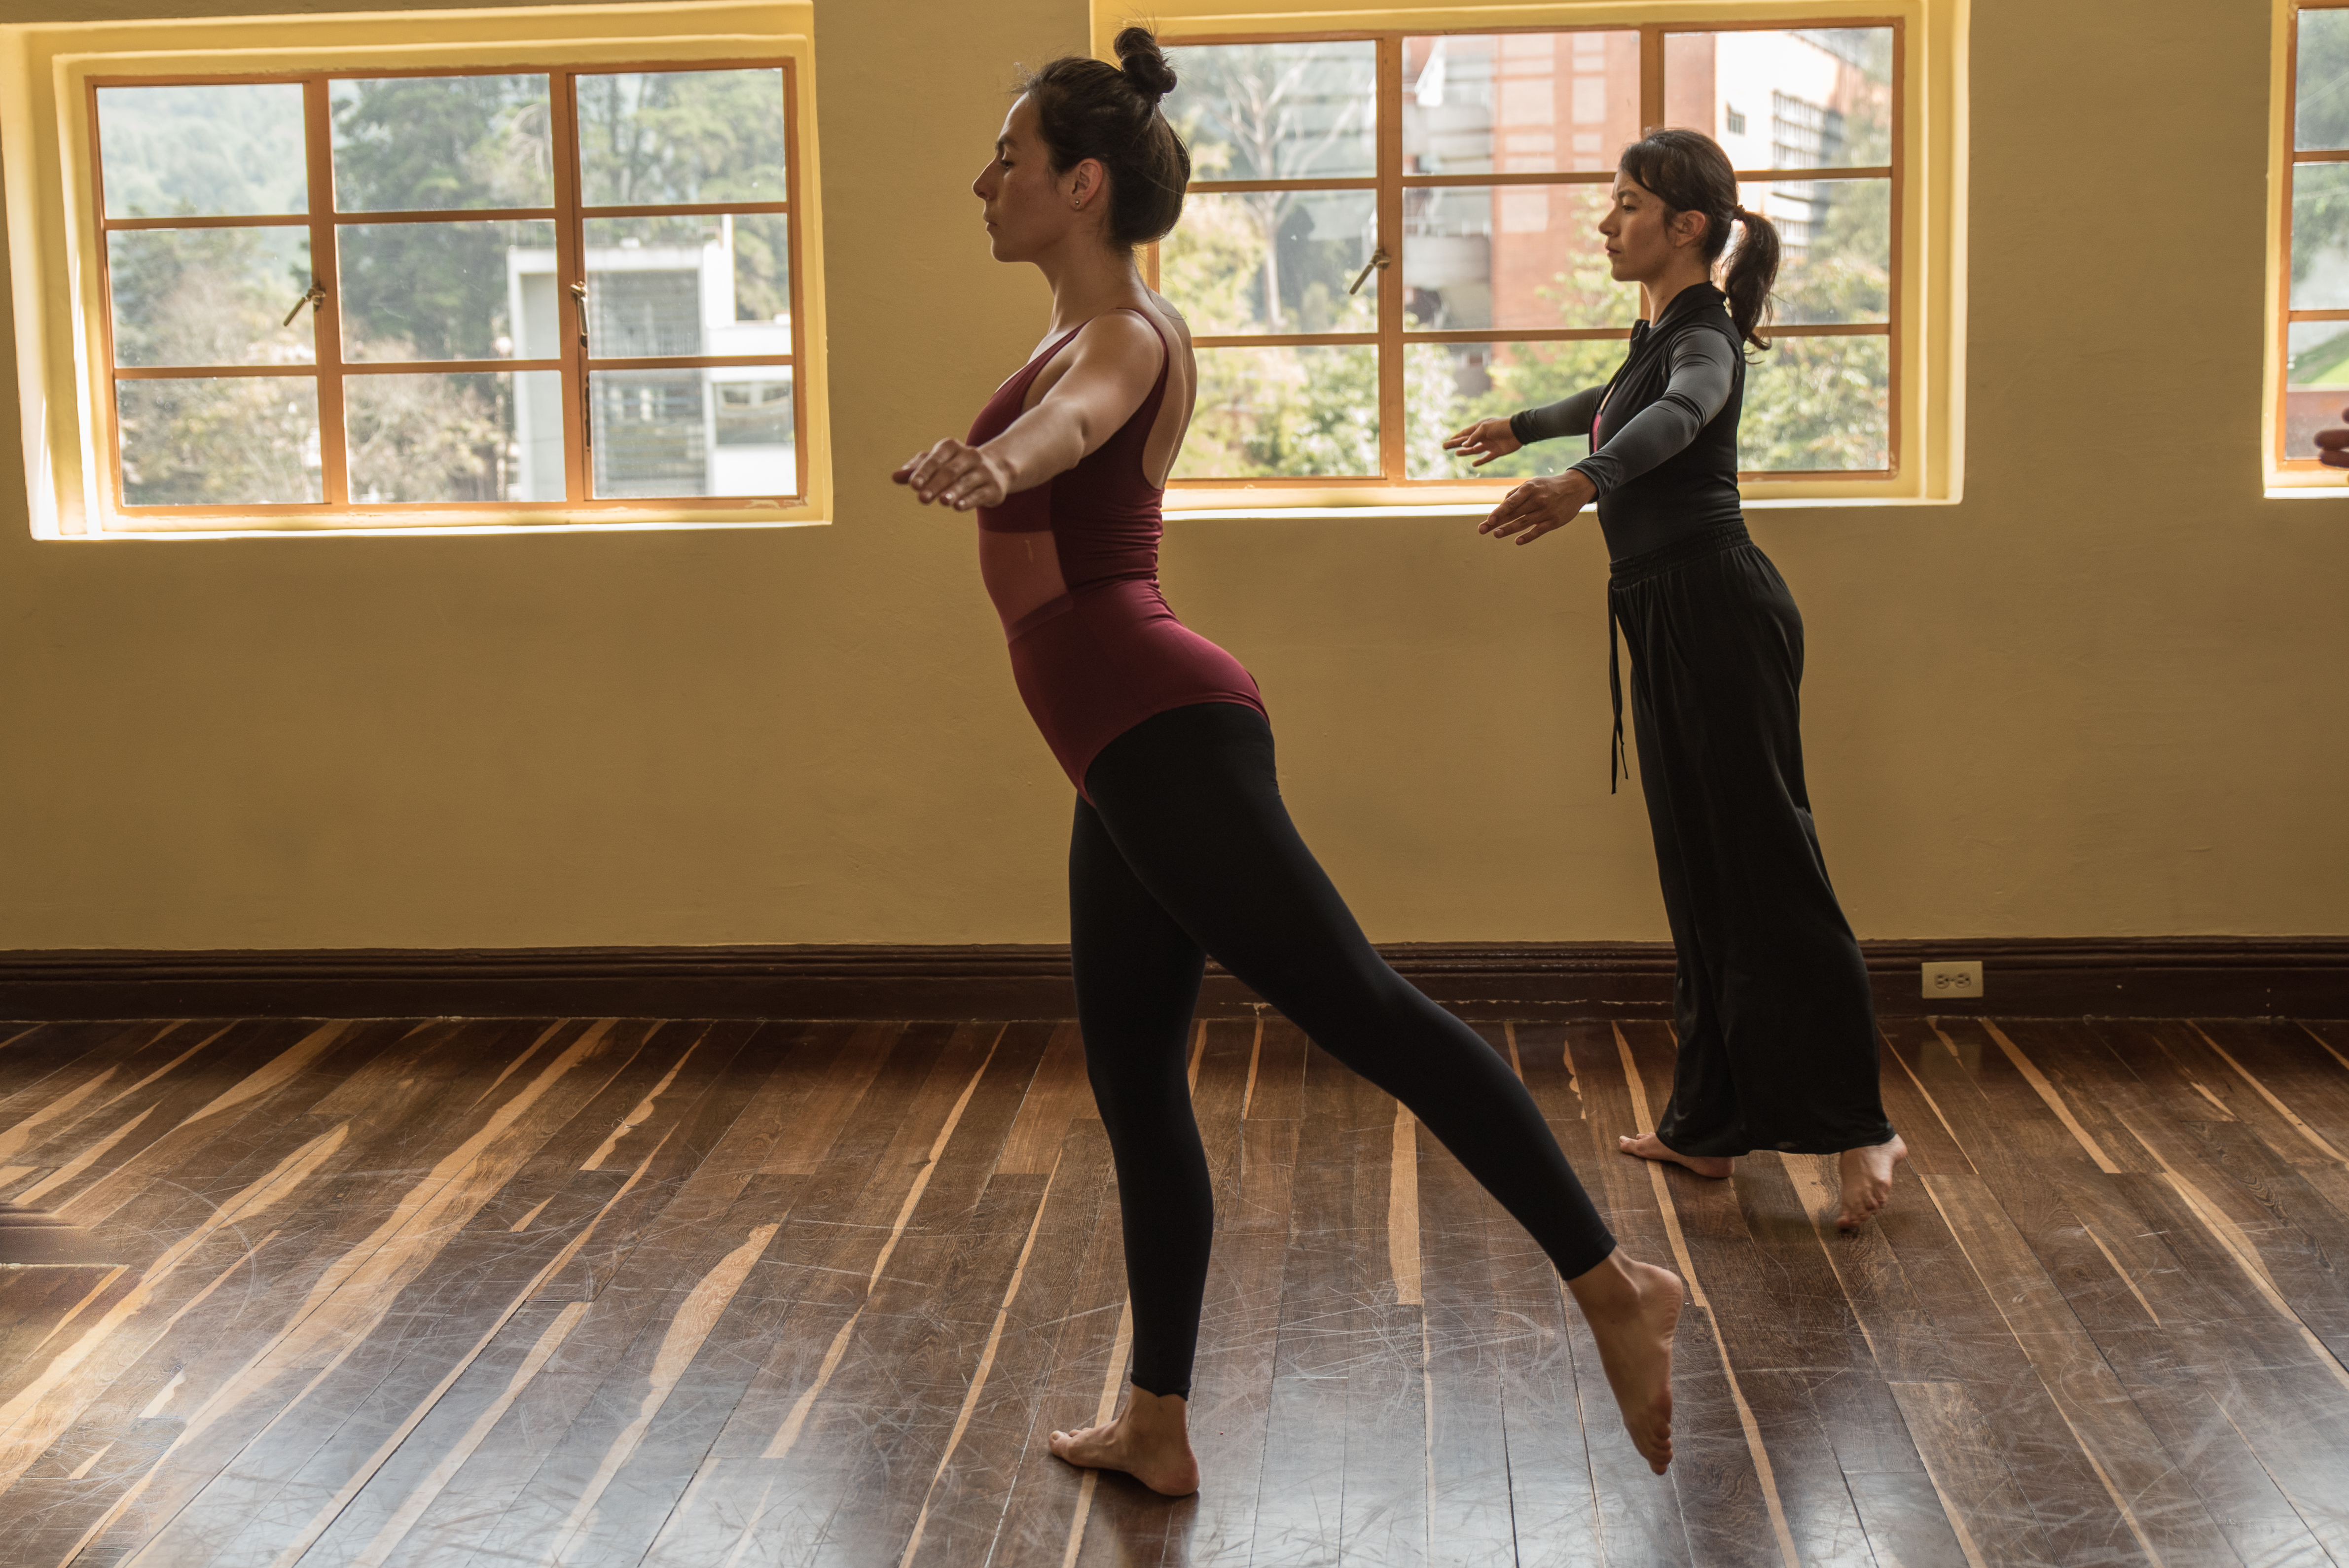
1139	58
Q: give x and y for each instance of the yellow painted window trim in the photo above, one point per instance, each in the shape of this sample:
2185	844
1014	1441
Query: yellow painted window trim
2300	480
1933	223
45	156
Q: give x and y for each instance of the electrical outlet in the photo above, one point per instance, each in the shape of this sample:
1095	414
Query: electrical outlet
1956	982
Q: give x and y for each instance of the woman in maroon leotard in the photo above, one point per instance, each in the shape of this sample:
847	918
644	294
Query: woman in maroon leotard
1181	847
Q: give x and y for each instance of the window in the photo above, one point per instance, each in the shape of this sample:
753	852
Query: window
1393	231
505	288
2311	385
332	275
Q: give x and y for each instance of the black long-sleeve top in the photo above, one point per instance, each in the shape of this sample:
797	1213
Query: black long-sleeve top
1664	432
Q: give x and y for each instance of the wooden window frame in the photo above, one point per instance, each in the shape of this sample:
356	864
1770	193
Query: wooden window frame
2284	472
1390	182
328	369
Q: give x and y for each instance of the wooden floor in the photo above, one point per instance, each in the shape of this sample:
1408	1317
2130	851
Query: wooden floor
621	1291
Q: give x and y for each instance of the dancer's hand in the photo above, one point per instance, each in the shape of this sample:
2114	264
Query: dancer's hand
956	475
1491	438
2333	446
1539	506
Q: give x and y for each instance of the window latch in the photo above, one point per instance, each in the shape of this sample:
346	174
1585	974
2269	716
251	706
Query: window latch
1379	259
314	299
586	393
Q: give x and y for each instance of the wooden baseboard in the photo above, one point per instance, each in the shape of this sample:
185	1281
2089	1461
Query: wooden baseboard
2176	976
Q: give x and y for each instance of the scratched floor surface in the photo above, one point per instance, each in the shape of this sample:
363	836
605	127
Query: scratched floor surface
631	1292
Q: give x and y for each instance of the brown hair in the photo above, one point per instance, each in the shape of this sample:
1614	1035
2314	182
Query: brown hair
1688	172
1090	109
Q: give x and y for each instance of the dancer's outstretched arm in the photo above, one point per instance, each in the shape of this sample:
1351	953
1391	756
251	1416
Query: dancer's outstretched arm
1103	378
1702	370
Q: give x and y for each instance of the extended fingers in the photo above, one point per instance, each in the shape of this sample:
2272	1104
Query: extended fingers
950	463
1541	526
922	472
2332	441
1518	508
969	489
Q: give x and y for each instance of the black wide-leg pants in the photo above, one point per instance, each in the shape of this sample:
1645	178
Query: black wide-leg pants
1777	1031
1186	849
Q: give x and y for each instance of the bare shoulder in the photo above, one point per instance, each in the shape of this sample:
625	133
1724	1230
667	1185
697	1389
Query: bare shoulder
1173	317
1117	332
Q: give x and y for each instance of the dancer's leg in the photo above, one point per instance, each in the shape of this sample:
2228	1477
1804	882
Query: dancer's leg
1717	650
1191	799
1137	976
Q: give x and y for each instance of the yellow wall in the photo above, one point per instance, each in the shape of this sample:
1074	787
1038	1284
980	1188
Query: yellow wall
2103	696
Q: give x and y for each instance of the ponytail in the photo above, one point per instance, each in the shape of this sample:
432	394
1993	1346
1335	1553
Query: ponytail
1688	172
1753	268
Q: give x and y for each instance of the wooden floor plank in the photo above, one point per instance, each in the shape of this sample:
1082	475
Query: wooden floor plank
969	1492
2283	1393
2170	1350
1946	1321
1300	1502
603	1434
259	1423
1252	1161
681	1293
1643	1517
1051	1507
692	1241
1504	1449
2155	1499
1994	1521
1390	1475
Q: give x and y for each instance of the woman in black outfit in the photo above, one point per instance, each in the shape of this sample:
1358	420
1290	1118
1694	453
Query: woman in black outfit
1778	1032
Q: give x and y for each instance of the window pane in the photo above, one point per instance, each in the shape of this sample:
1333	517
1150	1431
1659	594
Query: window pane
446	437
1278	111
2322	101
224	441
436	144
1817	404
722	430
436	291
1509	255
2316	387
1449	385
2320	236
654	137
717	284
1273	260
756	449
209	296
233	149
1268	412
1526	103
1806	98
1834	263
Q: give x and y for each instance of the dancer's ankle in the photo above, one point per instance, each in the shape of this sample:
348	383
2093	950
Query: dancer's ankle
1612	1287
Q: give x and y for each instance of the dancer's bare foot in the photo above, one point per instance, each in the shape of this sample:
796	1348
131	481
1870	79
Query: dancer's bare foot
1648	1146
1867	1181
1632	1308
1150	1440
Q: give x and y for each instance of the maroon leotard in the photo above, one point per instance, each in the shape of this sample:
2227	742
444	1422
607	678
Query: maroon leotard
1094	648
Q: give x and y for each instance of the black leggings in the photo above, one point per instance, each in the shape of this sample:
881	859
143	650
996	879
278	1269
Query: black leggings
1187	851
